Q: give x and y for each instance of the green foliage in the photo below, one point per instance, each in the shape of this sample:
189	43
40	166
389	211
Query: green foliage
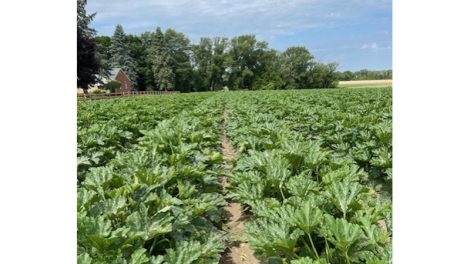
161	62
103	46
178	48
296	62
314	170
245	54
120	54
308	217
105	128
364	75
309	167
323	76
344	194
307	260
202	56
168	61
156	201
139	51
88	64
98	91
112	86
341	234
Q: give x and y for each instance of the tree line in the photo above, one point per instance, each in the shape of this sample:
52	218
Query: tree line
364	75
167	60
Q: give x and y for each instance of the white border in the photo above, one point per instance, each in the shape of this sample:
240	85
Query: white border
38	132
431	131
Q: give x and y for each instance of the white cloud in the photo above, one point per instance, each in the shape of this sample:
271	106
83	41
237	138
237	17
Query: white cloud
373	46
334	14
370	46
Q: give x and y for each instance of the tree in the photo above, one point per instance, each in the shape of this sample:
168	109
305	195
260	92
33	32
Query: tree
296	62
269	77
121	56
103	44
112	86
245	60
87	62
178	47
168	61
139	47
220	61
202	60
160	58
348	75
323	76
365	75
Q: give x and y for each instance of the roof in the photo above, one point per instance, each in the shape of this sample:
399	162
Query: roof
113	73
112	76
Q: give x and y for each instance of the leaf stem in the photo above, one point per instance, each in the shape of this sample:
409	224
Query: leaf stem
347	258
307	246
282	193
313	246
327	250
153	245
289	254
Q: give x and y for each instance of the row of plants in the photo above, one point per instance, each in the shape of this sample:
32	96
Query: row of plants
160	201
106	127
154	197
356	123
313	199
353	122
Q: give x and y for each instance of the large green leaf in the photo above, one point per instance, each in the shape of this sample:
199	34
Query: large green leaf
343	194
149	227
341	233
308	217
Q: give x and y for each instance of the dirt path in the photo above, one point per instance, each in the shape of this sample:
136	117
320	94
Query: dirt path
238	251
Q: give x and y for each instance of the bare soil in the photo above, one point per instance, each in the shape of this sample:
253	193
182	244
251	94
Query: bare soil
238	251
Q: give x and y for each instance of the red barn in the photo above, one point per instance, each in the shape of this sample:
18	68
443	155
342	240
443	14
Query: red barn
119	75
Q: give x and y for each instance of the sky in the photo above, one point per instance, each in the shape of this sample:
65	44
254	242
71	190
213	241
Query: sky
356	34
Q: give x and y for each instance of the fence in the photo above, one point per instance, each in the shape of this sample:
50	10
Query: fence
115	95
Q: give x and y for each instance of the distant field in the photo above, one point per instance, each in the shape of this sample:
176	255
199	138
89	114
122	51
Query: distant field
365	83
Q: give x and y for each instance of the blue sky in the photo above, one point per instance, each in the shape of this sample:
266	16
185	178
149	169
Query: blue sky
357	34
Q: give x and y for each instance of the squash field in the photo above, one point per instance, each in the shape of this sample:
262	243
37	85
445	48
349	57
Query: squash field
312	170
